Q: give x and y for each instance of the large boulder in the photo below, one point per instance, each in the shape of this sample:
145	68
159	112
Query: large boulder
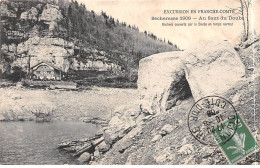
212	69
206	70
161	82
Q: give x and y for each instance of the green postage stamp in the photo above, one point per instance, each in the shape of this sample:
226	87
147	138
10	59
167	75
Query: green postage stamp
240	145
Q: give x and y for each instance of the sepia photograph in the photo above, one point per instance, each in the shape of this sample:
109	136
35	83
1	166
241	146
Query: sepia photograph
129	82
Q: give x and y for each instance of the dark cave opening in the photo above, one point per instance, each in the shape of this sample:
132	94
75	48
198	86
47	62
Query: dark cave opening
179	91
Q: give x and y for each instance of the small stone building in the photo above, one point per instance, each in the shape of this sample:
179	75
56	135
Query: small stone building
45	71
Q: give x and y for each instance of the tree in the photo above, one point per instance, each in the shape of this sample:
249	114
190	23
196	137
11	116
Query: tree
170	43
243	11
247	4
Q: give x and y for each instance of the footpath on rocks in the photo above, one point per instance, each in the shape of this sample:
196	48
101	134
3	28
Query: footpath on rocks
154	129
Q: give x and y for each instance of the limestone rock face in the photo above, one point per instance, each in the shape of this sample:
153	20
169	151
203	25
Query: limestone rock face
55	51
161	82
30	15
51	50
212	69
51	13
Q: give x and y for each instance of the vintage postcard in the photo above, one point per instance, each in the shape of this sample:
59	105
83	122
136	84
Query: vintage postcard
129	82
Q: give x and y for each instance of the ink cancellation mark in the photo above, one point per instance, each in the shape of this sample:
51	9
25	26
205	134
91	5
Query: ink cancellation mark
212	114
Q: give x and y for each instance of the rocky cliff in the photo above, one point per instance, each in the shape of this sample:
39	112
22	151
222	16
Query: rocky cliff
53	50
47	48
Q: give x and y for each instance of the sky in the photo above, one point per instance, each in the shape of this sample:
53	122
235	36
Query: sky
139	13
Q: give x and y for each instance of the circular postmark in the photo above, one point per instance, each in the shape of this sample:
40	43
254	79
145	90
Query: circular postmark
212	119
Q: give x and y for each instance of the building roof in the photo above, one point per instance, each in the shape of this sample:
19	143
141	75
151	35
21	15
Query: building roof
48	64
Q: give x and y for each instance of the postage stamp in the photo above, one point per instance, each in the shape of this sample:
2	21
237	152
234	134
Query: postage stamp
213	120
209	114
240	145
